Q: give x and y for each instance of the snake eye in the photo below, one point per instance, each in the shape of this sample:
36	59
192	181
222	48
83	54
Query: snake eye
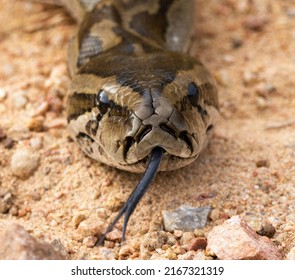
102	102
193	94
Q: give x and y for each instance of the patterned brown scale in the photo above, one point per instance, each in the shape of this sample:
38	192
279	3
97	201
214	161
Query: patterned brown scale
138	101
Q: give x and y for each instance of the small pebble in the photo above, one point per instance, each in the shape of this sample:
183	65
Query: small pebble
215	214
2	135
170	255
125	251
255	23
20	100
55	104
114	235
262	163
89	227
36	143
89	241
42	108
24	162
56	123
190	255
186	238
106	253
291	12
179	250
197	244
8	143
186	218
8	69
291	218
77	219
36	124
23	211
261	103
264	89
229	59
236	42
223	78
109	244
171	240
102	213
57	72
3	94
178	233
13	210
250	78
267	230
5	202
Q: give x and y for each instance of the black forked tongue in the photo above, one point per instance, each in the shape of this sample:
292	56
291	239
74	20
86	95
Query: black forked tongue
137	194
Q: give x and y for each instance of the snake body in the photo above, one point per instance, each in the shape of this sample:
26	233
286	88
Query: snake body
134	87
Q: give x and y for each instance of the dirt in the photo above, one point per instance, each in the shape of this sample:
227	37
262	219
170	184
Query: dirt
247	170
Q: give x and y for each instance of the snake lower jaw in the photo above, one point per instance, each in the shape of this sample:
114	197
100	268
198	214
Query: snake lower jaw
169	162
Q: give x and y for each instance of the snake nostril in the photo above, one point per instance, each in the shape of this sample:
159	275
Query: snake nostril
168	129
183	136
144	132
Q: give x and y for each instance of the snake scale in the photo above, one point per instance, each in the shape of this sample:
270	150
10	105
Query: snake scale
138	101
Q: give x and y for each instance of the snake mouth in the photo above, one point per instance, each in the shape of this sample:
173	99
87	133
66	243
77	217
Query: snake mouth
168	141
169	162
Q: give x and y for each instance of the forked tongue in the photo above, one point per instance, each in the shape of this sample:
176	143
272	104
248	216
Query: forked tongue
137	194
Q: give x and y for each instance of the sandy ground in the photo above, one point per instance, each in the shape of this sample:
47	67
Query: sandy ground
248	168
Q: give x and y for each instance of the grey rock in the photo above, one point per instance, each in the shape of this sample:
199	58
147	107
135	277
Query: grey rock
186	218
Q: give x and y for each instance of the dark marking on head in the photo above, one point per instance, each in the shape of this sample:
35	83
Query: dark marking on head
90	46
85	141
79	103
152	26
83	137
154	70
92	127
128	41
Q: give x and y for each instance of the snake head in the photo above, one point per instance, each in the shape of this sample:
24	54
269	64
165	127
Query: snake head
120	111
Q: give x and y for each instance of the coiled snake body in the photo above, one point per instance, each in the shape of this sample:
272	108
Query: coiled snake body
138	101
